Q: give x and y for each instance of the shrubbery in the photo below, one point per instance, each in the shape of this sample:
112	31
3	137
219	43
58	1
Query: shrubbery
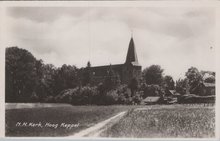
88	95
111	97
152	90
78	96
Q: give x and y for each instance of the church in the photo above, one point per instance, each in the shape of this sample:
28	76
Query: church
129	70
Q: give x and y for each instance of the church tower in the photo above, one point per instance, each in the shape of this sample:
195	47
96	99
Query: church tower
131	54
132	69
126	71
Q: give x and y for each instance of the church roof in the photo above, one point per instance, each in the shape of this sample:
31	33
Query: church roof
131	54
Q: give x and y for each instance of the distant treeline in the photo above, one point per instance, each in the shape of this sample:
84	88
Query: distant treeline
30	80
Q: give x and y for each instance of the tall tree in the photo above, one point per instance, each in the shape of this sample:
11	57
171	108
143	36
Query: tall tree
21	74
66	78
38	93
133	85
153	75
168	82
182	86
47	86
195	79
85	75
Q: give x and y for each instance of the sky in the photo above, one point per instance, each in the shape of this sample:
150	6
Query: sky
175	38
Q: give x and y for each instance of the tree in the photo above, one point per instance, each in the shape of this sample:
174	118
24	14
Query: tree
153	75
48	81
133	85
152	90
203	73
66	77
182	86
208	76
21	74
210	79
39	93
195	79
85	75
168	82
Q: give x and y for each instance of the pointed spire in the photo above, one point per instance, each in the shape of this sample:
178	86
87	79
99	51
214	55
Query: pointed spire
131	54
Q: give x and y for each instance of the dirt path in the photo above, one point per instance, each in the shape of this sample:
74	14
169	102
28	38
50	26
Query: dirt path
97	129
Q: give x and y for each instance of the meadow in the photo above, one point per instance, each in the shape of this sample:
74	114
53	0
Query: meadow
42	120
186	121
152	121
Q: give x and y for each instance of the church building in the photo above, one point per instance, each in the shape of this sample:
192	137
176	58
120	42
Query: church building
126	72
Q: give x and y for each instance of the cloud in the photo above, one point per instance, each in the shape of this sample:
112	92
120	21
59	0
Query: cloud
175	38
44	14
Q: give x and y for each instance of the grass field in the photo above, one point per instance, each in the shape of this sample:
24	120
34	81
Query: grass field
181	121
80	117
140	121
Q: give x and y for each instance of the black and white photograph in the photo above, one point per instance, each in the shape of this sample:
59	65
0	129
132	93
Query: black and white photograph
110	71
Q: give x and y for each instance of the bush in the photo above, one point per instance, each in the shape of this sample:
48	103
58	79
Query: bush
111	97
137	98
49	99
64	97
87	95
34	97
98	96
124	93
152	90
78	96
